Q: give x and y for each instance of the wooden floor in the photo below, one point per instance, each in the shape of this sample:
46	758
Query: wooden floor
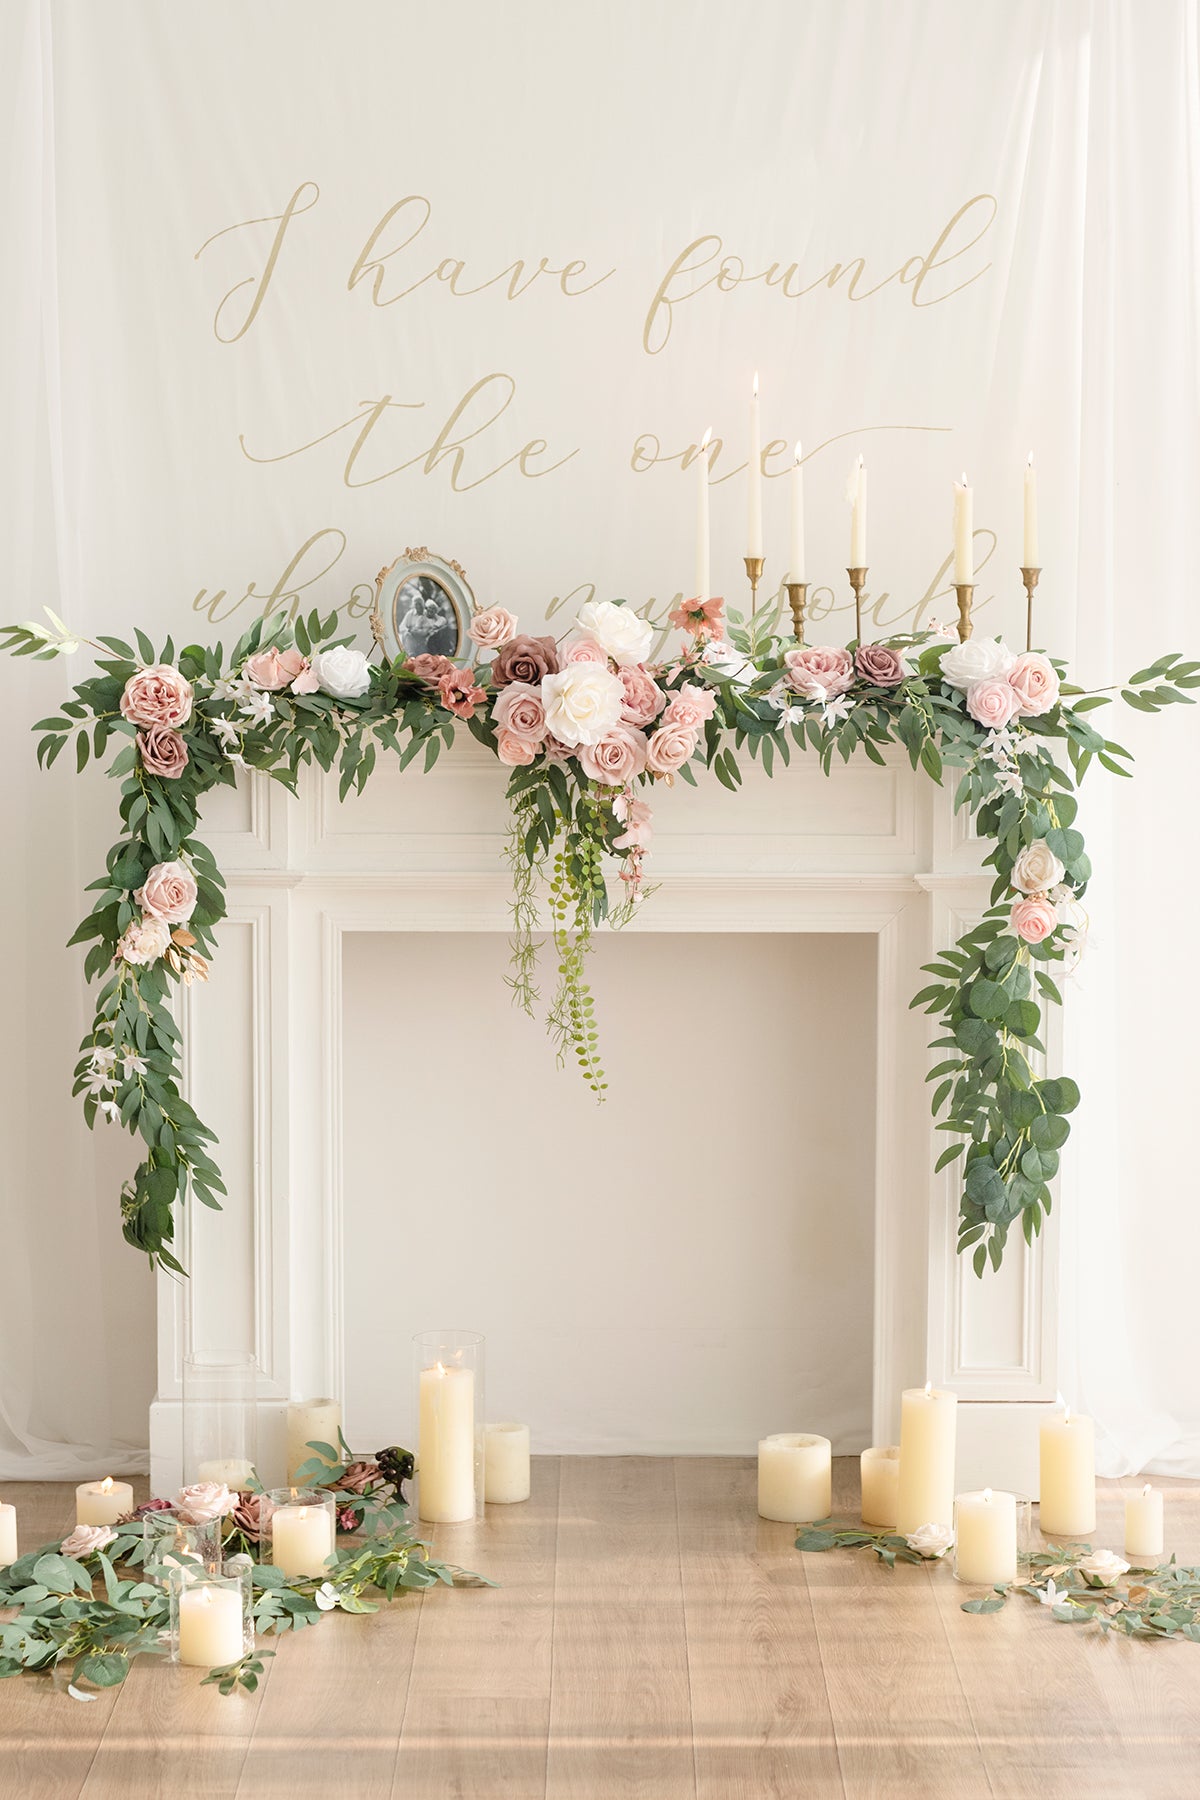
651	1637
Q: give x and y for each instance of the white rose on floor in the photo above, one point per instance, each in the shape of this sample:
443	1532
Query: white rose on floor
342	672
979	659
930	1540
1103	1568
583	702
1037	869
620	632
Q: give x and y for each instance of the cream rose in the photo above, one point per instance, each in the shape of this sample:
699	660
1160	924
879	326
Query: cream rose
158	695
979	659
1034	680
1033	920
617	758
1103	1568
342	672
1036	869
144	941
203	1502
930	1540
620	632
85	1540
169	893
669	748
583	703
494	626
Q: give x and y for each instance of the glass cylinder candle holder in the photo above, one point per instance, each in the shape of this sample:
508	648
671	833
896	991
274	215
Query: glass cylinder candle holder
220	1417
303	1530
985	1538
170	1544
1028	1540
212	1619
450	1425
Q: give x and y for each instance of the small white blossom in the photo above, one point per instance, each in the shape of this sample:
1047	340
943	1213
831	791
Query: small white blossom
258	707
111	1111
835	710
104	1059
232	688
225	731
134	1065
326	1596
1049	1595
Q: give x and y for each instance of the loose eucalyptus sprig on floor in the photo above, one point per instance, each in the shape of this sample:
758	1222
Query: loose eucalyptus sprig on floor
886	1545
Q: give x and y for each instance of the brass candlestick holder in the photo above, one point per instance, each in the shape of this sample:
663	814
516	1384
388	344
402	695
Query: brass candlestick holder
858	581
966	592
1030	578
754	569
797	593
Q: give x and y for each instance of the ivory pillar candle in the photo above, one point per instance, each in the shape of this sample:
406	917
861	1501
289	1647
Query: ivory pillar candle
1068	1476
928	1422
234	1471
1143	1526
754	537
881	1486
858	515
211	1626
964	531
985	1538
302	1538
446	1444
8	1534
795	1478
506	1464
1030	516
703	574
796	535
102	1502
310	1422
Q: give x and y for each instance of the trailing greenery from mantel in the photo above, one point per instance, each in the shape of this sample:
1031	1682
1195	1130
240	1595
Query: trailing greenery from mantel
587	726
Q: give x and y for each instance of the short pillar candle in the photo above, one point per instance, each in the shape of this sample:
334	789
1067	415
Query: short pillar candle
1068	1476
211	1625
928	1426
8	1534
985	1538
303	1531
310	1422
102	1502
506	1478
1143	1526
880	1468
795	1478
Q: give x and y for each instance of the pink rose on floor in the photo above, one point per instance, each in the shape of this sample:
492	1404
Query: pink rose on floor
669	748
429	668
163	752
819	670
347	1518
617	758
992	702
274	669
691	706
518	710
643	696
169	893
581	649
636	815
880	665
492	627
1033	920
525	659
158	695
515	752
85	1540
203	1502
459	694
1034	680
144	941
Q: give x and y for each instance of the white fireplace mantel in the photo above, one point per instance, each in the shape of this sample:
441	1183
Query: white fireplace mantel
867	849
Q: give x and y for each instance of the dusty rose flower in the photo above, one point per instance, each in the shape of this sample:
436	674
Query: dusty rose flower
358	1477
644	699
581	649
819	670
525	659
880	665
1034	680
1033	919
701	619
617	758
163	752
459	693
556	750
492	627
158	695
274	669
347	1519
203	1502
85	1540
515	752
429	668
169	893
691	706
252	1515
636	815
669	748
992	702
144	941
518	710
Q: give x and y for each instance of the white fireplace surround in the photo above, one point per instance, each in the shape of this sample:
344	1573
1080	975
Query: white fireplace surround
866	849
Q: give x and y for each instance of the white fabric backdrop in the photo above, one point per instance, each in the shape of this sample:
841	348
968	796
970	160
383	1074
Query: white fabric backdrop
138	482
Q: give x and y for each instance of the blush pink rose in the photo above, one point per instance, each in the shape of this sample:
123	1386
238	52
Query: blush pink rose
492	627
429	668
515	751
643	696
85	1540
274	669
669	748
1033	920
163	752
203	1502
617	758
691	706
819	670
582	649
169	893
143	941
992	702
518	710
1034	680
158	695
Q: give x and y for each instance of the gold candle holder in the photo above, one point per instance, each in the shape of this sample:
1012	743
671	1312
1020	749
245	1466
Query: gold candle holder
797	593
1030	578
754	569
858	581
965	591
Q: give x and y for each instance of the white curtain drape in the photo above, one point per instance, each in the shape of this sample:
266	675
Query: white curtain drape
816	131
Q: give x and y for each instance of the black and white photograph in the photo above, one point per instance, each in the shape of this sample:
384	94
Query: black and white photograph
424	619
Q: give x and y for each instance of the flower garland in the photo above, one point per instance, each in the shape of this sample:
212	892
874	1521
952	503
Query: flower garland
587	725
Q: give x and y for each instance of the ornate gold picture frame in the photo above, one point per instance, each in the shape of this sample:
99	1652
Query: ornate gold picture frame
423	605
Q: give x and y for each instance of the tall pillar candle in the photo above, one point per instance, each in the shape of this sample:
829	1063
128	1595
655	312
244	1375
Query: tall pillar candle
985	1538
858	515
928	1423
1143	1526
964	532
506	1464
8	1534
102	1502
796	534
310	1422
754	533
795	1478
1030	520
1067	1507
446	1444
211	1626
880	1468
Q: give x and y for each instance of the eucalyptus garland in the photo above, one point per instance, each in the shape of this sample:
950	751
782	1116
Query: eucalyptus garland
586	725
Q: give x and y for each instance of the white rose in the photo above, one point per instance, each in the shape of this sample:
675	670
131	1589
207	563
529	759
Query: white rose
583	702
144	941
342	672
979	659
721	656
1037	869
930	1540
620	632
1103	1568
85	1540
